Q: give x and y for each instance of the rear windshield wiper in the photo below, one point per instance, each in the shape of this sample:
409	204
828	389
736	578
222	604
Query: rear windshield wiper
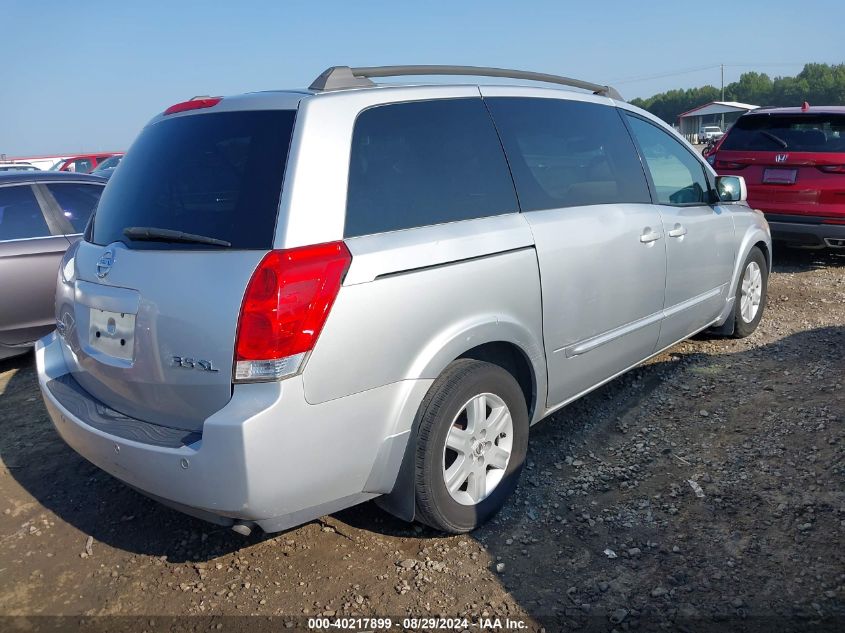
153	234
774	138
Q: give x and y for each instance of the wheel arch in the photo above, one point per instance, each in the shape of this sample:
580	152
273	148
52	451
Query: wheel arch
767	253
513	360
756	235
500	342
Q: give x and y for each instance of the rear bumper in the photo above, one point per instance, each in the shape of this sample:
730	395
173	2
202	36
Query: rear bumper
804	231
268	457
8	351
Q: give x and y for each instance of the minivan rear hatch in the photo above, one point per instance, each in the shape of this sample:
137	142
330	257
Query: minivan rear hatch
160	277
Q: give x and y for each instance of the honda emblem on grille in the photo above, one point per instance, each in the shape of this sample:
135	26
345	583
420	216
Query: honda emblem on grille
104	264
781	158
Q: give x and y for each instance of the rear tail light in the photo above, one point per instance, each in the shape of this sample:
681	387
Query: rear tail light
197	103
832	169
727	164
285	307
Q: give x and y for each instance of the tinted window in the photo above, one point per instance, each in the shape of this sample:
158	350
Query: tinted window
422	163
677	175
567	153
77	201
20	215
80	165
217	175
795	132
108	163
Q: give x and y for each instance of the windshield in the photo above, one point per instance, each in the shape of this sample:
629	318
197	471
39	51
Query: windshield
109	163
795	132
217	175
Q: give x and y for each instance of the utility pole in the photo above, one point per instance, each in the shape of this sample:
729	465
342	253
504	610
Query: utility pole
722	66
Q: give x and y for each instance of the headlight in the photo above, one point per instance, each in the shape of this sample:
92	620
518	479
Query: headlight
68	264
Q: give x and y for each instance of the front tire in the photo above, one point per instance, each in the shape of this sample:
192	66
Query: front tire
751	293
471	445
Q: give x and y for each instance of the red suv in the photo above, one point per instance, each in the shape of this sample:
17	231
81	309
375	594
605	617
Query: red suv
793	161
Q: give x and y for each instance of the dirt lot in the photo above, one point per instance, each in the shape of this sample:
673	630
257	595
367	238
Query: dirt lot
606	531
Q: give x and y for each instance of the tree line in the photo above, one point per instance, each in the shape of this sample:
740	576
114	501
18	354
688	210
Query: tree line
819	84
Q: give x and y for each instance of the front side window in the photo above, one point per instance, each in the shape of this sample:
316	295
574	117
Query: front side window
20	215
567	153
76	201
423	163
677	175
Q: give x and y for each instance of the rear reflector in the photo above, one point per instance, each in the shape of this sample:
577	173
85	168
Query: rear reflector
285	307
726	164
193	104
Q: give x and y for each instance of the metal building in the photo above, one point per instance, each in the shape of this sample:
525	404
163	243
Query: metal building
721	113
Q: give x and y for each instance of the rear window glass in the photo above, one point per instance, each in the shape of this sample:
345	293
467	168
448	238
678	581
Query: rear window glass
77	201
568	153
216	175
793	132
422	163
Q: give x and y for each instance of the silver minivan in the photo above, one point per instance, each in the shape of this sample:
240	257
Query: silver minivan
291	302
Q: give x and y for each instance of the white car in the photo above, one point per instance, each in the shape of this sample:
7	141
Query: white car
15	166
708	132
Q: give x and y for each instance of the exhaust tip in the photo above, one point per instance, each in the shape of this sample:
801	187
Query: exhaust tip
243	528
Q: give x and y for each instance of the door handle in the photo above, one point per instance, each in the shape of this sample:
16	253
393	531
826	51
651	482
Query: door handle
678	231
649	235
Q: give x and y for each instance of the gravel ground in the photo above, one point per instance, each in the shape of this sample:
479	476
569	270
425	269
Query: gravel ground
702	491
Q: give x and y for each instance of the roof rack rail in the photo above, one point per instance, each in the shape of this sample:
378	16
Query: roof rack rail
339	77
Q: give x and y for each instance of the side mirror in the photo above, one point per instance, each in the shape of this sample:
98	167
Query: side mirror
731	188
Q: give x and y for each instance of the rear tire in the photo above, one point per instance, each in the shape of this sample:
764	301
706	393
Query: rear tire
751	293
471	445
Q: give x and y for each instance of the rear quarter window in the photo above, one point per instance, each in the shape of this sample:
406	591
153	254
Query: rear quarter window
214	174
422	163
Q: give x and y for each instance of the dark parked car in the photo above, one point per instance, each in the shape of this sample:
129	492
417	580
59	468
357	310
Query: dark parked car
41	214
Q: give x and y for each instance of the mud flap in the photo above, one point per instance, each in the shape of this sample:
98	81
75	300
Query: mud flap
401	500
727	328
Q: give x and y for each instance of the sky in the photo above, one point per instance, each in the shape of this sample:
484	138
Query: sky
87	76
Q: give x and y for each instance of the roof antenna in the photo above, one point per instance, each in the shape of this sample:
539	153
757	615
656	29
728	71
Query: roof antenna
805	106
